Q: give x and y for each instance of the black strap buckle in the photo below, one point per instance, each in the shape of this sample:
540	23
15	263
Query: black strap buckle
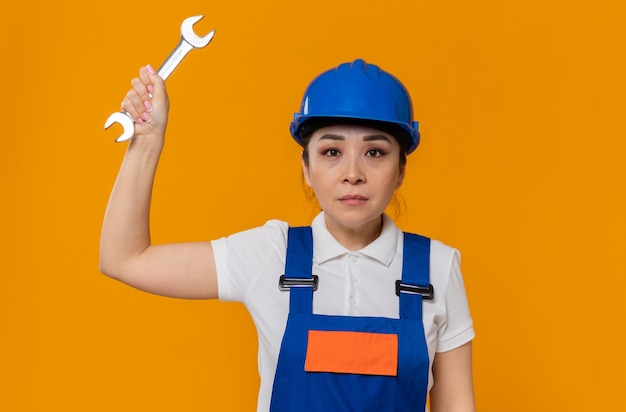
427	293
285	284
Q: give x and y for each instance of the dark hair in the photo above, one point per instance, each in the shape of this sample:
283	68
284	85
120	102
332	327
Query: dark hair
310	126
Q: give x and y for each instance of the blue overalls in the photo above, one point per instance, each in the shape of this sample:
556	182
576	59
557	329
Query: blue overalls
375	364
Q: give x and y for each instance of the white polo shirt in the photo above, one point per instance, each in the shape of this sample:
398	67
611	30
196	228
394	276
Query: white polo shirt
351	283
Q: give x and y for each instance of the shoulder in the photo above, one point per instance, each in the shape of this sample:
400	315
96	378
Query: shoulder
253	245
242	258
271	233
442	254
444	264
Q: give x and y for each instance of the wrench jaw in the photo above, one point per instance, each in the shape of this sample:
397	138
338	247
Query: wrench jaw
186	31
127	123
190	40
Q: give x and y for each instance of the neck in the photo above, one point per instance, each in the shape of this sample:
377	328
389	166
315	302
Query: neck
355	238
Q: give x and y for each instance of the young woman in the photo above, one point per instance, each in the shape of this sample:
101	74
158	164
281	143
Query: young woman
352	314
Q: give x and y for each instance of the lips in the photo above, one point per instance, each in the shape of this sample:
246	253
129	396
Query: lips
353	200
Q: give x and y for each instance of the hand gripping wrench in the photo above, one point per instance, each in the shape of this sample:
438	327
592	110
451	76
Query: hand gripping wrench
189	40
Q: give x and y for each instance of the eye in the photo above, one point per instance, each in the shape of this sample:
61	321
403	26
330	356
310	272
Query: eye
375	153
332	152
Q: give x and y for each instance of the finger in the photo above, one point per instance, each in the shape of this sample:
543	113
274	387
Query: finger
159	93
147	81
134	106
146	93
140	88
141	99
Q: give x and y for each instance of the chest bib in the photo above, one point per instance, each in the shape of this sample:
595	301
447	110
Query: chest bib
345	363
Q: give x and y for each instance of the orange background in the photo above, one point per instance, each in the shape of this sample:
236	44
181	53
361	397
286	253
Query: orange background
521	167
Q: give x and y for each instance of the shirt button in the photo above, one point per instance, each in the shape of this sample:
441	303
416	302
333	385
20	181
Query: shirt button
353	258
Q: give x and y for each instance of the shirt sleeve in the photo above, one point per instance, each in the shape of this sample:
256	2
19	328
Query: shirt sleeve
240	258
457	327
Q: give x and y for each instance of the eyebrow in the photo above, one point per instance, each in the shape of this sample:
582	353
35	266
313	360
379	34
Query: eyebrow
368	138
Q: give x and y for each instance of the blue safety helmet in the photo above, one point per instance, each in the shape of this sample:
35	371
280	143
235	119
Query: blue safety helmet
361	93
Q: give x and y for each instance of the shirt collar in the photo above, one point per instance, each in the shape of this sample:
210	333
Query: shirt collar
326	247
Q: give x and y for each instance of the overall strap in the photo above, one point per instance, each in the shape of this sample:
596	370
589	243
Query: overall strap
415	285
298	277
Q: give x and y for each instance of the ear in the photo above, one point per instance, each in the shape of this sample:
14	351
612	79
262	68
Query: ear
400	177
305	172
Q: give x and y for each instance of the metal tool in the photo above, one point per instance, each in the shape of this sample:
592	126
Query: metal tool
189	40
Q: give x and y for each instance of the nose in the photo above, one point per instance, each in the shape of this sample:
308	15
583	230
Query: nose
353	172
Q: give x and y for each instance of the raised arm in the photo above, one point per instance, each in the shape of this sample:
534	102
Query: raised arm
184	270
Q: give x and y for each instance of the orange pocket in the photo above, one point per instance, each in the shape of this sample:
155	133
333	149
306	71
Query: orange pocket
352	352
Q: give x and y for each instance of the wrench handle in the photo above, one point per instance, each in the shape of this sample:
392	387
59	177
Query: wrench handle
174	59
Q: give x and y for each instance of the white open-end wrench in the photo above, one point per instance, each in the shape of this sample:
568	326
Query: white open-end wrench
189	40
